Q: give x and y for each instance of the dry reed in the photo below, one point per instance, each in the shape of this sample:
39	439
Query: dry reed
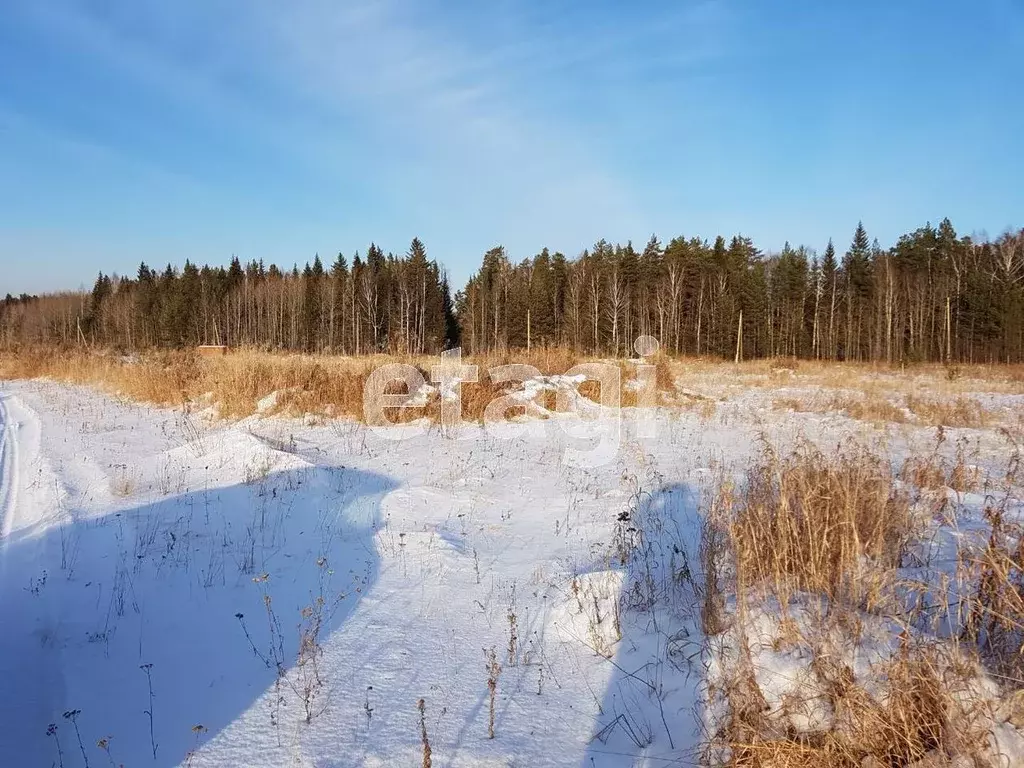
831	531
235	383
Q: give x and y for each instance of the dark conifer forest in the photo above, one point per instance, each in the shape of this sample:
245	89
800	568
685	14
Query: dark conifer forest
931	296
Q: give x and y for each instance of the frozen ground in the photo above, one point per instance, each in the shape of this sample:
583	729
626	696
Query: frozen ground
279	592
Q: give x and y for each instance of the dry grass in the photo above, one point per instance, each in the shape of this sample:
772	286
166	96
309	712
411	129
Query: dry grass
333	385
878	407
919	721
235	382
996	609
996	618
323	385
705	408
892	383
813	522
822	538
873	408
932	472
924	721
960	411
870	408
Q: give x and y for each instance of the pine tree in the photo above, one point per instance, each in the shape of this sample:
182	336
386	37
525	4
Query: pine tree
857	279
452	331
94	319
932	296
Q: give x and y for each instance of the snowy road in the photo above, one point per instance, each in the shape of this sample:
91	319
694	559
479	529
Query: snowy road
29	664
8	471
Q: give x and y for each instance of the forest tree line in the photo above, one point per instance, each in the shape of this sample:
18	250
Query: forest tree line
933	296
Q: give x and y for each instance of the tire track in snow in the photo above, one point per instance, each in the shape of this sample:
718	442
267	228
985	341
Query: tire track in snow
8	473
33	686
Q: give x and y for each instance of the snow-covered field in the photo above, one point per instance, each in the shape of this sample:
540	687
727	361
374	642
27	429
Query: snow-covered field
287	591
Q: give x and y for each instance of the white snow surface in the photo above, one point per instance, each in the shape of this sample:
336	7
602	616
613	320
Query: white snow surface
141	544
132	537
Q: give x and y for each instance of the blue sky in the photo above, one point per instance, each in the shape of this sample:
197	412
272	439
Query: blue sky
150	130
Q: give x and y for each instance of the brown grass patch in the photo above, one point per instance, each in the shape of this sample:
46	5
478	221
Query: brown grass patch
867	407
933	472
919	721
960	411
322	385
810	521
889	382
878	407
996	609
814	541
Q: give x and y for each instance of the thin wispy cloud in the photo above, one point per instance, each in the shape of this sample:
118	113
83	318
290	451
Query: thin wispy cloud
476	116
485	107
316	126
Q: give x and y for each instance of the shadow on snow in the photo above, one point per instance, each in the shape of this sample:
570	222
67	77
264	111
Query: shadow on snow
84	607
649	713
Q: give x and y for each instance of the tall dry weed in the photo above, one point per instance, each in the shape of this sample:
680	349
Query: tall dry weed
315	384
815	522
828	531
